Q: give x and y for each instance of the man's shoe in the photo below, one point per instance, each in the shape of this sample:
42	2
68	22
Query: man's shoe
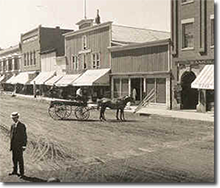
13	173
21	176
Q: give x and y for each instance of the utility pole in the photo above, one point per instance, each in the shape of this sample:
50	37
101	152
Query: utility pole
84	9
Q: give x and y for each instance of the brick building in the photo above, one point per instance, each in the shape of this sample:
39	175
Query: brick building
192	29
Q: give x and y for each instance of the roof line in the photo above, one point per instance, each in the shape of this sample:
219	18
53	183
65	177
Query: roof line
140	28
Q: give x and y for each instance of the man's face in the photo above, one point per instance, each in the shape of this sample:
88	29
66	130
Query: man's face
15	119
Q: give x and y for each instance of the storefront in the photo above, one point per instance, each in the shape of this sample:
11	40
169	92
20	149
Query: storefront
95	83
205	85
142	71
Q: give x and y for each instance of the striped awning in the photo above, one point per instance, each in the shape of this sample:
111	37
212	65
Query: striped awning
43	77
205	79
10	79
23	78
2	78
67	79
53	80
93	77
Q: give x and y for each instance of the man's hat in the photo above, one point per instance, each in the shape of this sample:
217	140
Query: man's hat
14	114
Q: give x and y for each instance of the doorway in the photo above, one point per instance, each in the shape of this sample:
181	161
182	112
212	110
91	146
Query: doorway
136	88
189	96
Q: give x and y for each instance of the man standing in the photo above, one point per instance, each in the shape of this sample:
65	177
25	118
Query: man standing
18	137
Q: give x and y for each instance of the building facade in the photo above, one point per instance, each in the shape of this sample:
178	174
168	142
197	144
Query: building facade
138	69
192	34
88	50
10	61
37	41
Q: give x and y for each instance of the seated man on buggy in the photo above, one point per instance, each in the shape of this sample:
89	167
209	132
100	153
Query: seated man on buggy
79	95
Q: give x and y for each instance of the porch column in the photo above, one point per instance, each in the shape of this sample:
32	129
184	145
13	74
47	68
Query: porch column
120	87
12	64
129	86
112	87
141	92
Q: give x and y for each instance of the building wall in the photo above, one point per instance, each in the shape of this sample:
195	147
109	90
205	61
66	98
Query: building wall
97	42
10	61
143	68
148	59
48	62
52	38
39	40
200	13
30	43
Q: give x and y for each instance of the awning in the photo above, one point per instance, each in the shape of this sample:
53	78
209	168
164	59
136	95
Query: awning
10	79
53	80
67	79
43	77
205	79
94	77
23	78
2	78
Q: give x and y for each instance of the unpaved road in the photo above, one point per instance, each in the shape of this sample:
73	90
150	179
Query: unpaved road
142	149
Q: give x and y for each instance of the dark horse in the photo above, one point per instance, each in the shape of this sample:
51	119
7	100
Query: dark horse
118	104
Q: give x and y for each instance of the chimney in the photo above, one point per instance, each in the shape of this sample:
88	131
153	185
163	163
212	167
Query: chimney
97	19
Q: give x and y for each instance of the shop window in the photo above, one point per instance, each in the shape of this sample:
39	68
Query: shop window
116	88
161	90
159	84
124	87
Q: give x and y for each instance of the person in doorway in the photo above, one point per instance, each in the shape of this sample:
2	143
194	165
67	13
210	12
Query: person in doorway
134	94
18	141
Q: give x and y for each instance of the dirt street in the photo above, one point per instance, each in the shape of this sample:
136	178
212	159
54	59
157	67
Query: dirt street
142	149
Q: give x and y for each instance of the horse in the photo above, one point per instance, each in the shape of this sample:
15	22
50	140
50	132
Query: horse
118	104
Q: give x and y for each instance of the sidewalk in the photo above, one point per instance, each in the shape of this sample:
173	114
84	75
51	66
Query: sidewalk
183	114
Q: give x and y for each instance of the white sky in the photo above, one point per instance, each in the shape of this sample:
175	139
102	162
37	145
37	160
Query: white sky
20	16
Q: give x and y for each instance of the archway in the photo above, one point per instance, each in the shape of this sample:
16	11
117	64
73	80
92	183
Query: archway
189	96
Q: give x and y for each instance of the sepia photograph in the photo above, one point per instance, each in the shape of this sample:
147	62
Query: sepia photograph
107	91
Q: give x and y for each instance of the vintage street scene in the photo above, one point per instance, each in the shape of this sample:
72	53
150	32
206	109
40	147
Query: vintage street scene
92	92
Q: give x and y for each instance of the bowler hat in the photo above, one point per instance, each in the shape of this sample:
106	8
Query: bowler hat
14	114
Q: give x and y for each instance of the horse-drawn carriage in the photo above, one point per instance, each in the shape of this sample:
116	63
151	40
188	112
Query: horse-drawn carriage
62	109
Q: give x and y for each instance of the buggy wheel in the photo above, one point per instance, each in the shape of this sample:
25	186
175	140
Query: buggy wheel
51	112
68	111
82	113
60	110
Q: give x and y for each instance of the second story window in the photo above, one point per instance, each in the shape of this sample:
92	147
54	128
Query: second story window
16	64
96	60
212	30
187	34
25	59
28	59
84	42
34	58
31	58
84	61
75	62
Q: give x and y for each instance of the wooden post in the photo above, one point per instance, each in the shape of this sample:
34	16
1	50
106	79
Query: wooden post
34	89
